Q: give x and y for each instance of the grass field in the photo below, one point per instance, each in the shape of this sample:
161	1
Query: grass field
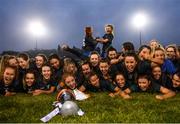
99	108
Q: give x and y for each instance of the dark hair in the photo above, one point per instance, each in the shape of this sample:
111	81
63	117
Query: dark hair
118	73
84	62
31	71
88	31
12	57
92	74
53	56
43	56
47	64
132	54
156	66
144	76
109	25
144	46
128	46
94	52
111	49
24	56
177	72
105	61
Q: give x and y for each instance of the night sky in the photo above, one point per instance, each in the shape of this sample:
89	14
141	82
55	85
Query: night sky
65	20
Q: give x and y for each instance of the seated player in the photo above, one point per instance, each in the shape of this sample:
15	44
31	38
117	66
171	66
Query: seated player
107	39
89	43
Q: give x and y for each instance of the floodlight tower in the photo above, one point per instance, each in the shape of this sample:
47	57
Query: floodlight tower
37	29
139	21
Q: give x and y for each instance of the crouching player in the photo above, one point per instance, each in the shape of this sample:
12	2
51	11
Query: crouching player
145	85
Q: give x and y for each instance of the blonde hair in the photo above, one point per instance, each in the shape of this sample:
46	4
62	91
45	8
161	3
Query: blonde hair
158	46
67	66
4	62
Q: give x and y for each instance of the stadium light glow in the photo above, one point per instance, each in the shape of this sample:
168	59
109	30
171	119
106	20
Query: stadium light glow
139	21
37	29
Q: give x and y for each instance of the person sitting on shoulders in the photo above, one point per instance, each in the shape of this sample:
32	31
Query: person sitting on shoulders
107	39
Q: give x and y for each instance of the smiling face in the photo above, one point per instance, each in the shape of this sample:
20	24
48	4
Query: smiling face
39	61
70	82
176	80
171	54
55	63
46	72
144	54
154	44
143	84
156	71
86	70
120	80
159	54
108	29
13	62
104	68
29	79
8	75
130	63
23	63
94	80
71	68
94	60
112	54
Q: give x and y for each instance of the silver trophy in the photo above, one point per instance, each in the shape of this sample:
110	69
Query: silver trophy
64	105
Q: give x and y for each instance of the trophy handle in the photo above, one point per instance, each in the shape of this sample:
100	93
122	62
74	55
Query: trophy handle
65	90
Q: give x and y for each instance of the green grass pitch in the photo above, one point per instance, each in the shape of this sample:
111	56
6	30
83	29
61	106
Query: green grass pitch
99	108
